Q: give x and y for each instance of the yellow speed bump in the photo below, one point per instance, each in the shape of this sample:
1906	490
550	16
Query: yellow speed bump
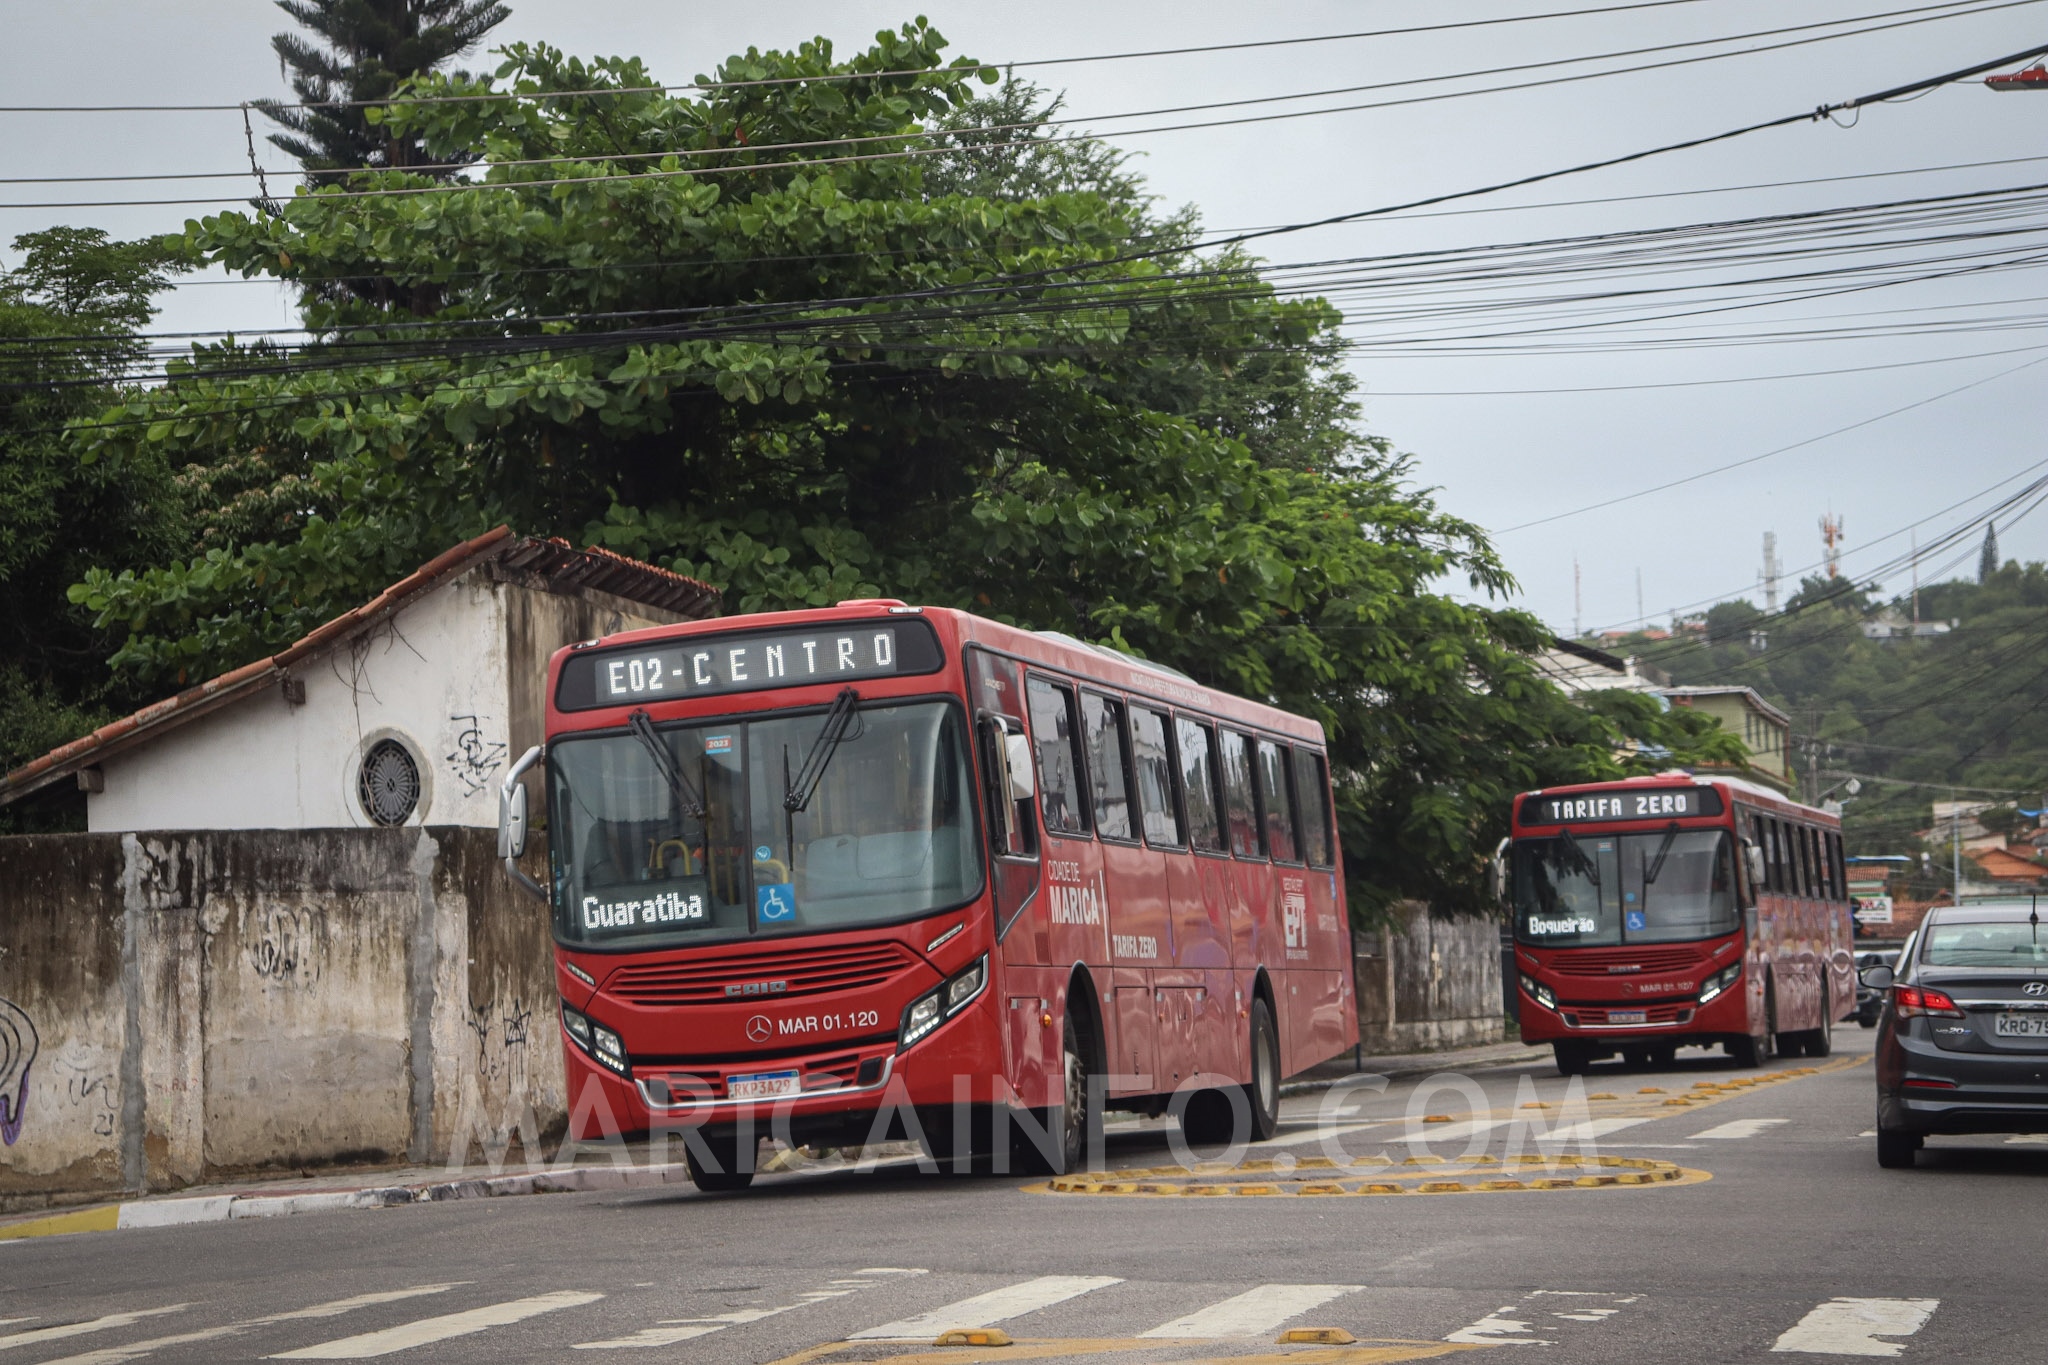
973	1336
1417	1176
1316	1336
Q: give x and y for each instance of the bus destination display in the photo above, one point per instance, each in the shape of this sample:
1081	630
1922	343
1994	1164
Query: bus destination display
711	665
1671	803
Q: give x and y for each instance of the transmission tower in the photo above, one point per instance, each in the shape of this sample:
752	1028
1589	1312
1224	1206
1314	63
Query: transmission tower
1831	536
1769	577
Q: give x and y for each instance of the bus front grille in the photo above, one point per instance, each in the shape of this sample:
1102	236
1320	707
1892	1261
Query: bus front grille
761	976
1624	961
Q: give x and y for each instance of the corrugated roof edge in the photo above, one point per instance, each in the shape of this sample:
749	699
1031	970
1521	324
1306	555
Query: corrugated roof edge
552	560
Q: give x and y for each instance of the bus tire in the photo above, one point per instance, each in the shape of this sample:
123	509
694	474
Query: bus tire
1821	1041
1572	1058
1262	1095
725	1154
1075	1124
1755	1049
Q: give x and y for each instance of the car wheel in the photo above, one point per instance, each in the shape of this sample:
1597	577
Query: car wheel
1895	1149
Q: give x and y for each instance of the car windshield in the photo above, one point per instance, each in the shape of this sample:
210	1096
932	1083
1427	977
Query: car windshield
704	847
1589	890
2006	943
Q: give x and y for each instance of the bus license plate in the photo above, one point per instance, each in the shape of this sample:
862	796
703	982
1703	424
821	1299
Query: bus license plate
765	1085
2020	1026
1628	1016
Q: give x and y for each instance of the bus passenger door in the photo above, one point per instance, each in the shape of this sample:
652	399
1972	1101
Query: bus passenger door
996	690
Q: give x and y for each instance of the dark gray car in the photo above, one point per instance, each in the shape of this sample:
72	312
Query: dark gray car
1962	1045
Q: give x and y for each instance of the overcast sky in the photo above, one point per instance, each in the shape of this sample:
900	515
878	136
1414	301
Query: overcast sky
1499	459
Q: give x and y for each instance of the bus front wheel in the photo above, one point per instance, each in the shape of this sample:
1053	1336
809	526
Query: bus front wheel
723	1175
1263	1094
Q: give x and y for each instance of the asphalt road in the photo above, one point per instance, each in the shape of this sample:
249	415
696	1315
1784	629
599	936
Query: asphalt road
1762	1221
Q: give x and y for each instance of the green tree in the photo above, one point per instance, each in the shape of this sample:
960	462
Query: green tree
365	50
733	335
69	310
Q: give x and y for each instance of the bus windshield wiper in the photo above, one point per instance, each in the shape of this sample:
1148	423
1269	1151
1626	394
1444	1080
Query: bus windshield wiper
688	798
1656	866
1575	859
801	788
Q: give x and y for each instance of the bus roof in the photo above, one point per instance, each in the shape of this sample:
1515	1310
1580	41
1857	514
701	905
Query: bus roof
1727	783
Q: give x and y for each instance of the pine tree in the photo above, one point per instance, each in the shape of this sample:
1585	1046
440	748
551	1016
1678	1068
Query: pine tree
1987	563
369	47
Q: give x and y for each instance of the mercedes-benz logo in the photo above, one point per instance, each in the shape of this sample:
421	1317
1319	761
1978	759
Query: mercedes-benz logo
758	1028
2035	987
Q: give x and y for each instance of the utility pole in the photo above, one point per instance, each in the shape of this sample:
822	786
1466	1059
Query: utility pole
1578	604
1955	827
1642	617
1914	540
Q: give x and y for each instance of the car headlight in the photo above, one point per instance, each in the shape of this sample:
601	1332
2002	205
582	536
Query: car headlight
1720	981
934	1007
600	1043
1538	991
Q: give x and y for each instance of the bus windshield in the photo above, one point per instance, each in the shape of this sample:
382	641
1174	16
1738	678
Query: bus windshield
1591	890
698	844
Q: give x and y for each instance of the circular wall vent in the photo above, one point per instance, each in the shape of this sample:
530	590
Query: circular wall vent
388	783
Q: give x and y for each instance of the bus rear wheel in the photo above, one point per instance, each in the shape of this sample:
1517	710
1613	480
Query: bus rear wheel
727	1177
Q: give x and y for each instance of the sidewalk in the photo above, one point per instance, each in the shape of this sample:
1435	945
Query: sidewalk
594	1168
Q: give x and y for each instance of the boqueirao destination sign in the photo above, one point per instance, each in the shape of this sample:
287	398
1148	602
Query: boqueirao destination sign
708	665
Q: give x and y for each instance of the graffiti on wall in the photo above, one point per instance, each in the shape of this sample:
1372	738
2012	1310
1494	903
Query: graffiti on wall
501	1041
284	944
477	757
18	1043
89	1086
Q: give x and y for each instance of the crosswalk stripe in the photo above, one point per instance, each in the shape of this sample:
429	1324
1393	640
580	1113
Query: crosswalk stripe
985	1310
1740	1128
1252	1313
427	1331
39	1335
673	1330
1851	1327
135	1350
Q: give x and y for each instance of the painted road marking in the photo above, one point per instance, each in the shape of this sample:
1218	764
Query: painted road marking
427	1331
1740	1128
135	1350
108	1323
1323	1134
1253	1313
1420	1134
1517	1324
985	1310
673	1330
1592	1129
1851	1327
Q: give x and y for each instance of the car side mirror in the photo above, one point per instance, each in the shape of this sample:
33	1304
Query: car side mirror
1023	775
1878	977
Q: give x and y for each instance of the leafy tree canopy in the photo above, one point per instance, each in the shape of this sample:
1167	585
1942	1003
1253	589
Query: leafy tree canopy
762	337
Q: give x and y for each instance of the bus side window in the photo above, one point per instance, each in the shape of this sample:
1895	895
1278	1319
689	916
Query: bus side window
1841	869
1275	802
1776	829
1152	747
1816	880
1056	740
1313	790
1197	744
1239	804
1102	727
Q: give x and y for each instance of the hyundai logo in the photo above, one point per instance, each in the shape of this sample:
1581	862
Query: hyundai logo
749	989
2035	987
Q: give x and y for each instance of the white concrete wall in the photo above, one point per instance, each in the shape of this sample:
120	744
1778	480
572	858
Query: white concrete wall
434	677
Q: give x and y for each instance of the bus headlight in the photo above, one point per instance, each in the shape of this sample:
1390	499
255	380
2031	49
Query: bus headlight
1720	981
602	1045
1539	992
933	1008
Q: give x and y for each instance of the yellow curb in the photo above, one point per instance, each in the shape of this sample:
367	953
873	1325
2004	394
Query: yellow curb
104	1219
979	1336
1316	1336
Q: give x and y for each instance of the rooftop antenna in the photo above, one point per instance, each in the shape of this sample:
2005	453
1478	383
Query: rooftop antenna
1770	573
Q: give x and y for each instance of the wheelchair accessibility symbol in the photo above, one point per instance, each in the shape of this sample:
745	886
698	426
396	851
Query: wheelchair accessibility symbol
775	902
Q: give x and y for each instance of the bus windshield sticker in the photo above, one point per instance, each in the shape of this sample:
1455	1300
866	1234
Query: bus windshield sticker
775	902
718	744
710	665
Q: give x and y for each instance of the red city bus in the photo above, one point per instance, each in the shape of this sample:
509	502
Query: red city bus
828	873
1664	911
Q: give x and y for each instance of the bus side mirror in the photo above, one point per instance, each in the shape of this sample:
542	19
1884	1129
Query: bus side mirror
1497	874
1023	779
1878	977
1753	864
512	821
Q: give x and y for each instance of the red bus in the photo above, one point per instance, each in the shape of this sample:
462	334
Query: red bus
1664	911
822	873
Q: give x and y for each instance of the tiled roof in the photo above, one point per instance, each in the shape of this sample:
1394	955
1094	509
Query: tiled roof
548	564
